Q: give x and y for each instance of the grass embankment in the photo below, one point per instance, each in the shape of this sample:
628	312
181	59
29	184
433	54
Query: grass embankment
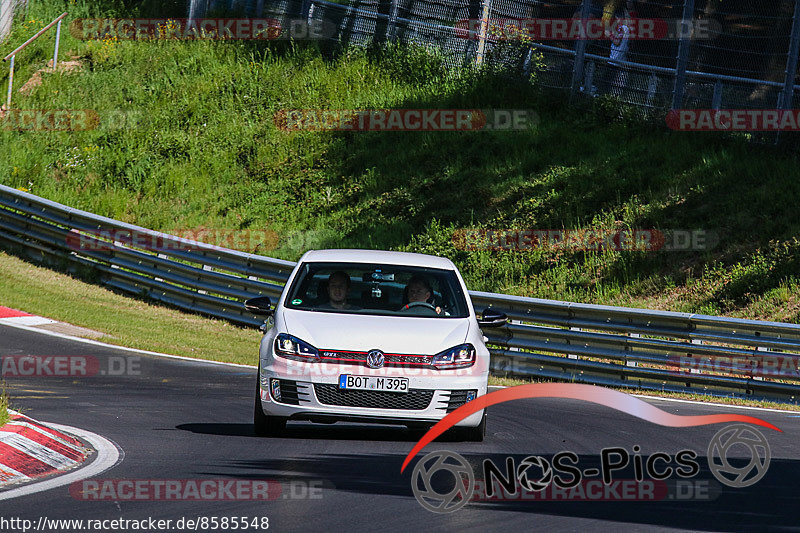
199	149
124	321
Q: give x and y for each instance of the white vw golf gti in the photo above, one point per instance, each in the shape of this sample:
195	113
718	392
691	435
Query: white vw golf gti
371	336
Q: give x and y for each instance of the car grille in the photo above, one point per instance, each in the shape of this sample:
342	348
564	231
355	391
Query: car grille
389	359
293	393
414	399
456	399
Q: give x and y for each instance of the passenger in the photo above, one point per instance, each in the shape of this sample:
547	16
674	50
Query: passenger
338	287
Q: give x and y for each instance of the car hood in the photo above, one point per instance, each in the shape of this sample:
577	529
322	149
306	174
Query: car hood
390	334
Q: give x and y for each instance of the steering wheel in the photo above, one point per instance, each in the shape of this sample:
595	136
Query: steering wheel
420	304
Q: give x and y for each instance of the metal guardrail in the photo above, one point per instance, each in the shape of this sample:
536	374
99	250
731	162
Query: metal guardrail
638	348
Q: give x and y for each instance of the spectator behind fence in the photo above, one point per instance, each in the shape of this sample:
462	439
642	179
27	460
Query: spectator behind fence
616	73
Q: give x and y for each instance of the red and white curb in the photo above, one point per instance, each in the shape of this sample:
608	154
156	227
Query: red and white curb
107	456
20	318
30	450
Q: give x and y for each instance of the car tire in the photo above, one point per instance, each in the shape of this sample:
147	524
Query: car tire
477	433
263	424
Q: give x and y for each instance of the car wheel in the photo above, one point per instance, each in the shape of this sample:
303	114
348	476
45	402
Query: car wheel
477	433
264	425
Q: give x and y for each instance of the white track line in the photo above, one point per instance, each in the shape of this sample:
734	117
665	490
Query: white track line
108	455
117	347
696	402
32	320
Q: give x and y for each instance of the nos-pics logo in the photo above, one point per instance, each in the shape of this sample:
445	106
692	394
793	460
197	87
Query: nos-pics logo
443	481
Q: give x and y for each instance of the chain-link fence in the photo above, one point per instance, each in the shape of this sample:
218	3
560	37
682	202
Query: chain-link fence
7	10
701	54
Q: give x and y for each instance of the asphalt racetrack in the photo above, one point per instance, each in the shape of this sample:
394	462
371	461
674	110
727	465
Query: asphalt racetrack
192	421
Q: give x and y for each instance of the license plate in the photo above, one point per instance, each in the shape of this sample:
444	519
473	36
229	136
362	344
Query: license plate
347	381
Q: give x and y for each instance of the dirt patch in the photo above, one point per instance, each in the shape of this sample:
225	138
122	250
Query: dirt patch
75	331
64	67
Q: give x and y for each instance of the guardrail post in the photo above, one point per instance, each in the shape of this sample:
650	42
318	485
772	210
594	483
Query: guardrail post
207	268
580	54
485	13
161	256
683	54
759	364
695	370
572	355
787	96
632	363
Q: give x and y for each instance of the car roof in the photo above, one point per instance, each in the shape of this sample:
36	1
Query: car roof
377	256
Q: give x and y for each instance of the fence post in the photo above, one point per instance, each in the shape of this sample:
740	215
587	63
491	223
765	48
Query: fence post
55	53
588	81
652	87
390	31
306	10
683	54
10	82
487	9
716	98
580	53
6	17
787	96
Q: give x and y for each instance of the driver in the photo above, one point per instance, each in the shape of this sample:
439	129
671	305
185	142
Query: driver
419	290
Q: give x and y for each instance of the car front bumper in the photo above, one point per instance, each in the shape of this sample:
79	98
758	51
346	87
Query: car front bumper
309	391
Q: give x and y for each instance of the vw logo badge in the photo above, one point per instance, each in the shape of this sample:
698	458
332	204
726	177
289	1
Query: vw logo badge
375	359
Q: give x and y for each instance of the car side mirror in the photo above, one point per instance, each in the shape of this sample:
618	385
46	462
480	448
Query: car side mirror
492	319
260	305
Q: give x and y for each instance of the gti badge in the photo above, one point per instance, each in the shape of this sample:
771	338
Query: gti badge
375	359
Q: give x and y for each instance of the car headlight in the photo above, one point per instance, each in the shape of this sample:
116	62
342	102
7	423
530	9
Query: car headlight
456	357
293	348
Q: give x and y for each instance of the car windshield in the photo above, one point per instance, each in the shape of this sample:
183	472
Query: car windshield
377	289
